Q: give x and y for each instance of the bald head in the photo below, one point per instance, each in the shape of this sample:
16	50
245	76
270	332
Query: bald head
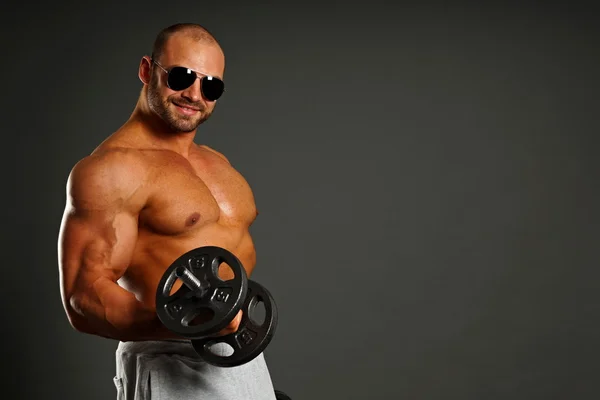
192	31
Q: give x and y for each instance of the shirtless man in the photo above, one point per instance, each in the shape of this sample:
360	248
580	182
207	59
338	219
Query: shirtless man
145	196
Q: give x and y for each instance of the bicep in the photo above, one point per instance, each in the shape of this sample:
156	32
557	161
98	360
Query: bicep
99	226
94	244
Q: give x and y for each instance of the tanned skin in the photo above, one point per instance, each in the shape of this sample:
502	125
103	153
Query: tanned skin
145	196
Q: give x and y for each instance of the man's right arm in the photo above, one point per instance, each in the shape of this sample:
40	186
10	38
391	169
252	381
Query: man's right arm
97	237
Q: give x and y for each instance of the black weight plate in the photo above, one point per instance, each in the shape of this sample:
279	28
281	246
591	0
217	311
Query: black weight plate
279	395
250	339
223	299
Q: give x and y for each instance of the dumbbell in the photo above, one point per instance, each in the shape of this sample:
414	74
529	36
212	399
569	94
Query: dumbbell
279	395
203	290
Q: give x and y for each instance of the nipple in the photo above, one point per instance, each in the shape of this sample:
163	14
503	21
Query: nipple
192	219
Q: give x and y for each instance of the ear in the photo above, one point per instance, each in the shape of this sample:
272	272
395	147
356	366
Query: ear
145	70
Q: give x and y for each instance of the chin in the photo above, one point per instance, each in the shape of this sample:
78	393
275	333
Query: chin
186	125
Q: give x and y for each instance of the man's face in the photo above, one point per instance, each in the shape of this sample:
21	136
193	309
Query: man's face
185	110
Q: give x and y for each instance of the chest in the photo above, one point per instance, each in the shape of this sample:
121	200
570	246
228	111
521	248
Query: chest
186	195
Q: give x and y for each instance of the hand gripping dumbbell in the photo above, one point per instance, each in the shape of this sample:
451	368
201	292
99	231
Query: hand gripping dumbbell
203	293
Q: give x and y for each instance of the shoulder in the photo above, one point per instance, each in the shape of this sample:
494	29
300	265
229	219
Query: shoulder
106	176
215	152
113	164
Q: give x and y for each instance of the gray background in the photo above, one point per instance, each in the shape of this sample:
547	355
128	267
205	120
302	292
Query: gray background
426	175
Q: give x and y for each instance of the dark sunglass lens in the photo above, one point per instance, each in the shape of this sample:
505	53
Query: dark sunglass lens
212	88
181	78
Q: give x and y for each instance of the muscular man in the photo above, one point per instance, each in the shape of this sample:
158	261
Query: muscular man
146	195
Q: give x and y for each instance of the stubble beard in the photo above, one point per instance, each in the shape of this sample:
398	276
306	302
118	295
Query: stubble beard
177	123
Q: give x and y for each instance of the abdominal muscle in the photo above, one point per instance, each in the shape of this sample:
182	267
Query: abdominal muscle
155	253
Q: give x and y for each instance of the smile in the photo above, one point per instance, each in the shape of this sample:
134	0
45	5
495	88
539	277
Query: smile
187	110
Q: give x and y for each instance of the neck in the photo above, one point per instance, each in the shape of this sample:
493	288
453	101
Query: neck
156	132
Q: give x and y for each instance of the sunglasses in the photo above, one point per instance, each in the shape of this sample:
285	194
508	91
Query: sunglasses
180	78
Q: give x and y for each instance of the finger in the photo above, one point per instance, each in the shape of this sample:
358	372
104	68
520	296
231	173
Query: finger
233	325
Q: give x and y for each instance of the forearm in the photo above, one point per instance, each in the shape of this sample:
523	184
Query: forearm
106	309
